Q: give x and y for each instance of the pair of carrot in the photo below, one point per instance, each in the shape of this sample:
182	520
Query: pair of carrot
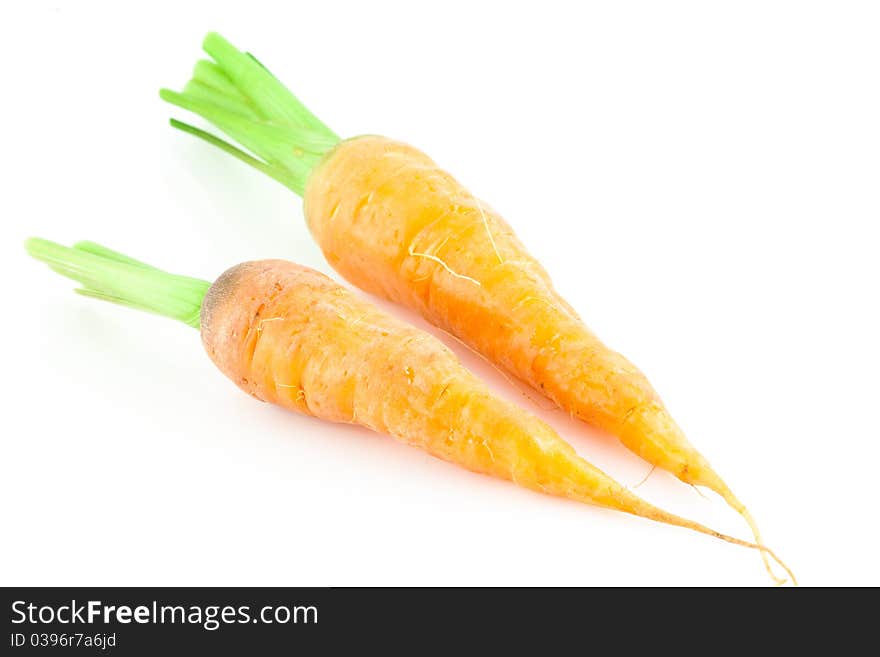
393	223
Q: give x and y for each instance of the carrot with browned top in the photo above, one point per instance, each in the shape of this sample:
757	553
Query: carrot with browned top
289	335
394	223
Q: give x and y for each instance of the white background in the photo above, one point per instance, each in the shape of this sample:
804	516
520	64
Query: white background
700	178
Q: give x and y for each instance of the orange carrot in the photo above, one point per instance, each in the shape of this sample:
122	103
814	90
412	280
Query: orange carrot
395	224
289	335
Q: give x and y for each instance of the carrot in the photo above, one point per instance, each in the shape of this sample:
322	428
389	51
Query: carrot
289	335
393	223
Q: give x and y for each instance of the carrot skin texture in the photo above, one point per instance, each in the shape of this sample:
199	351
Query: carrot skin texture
290	336
395	224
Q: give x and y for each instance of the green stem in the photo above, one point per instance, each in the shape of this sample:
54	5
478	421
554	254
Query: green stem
111	276
239	95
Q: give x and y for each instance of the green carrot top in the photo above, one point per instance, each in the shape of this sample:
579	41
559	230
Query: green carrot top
240	96
111	276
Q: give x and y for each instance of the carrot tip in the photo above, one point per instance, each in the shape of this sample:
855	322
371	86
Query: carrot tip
766	552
